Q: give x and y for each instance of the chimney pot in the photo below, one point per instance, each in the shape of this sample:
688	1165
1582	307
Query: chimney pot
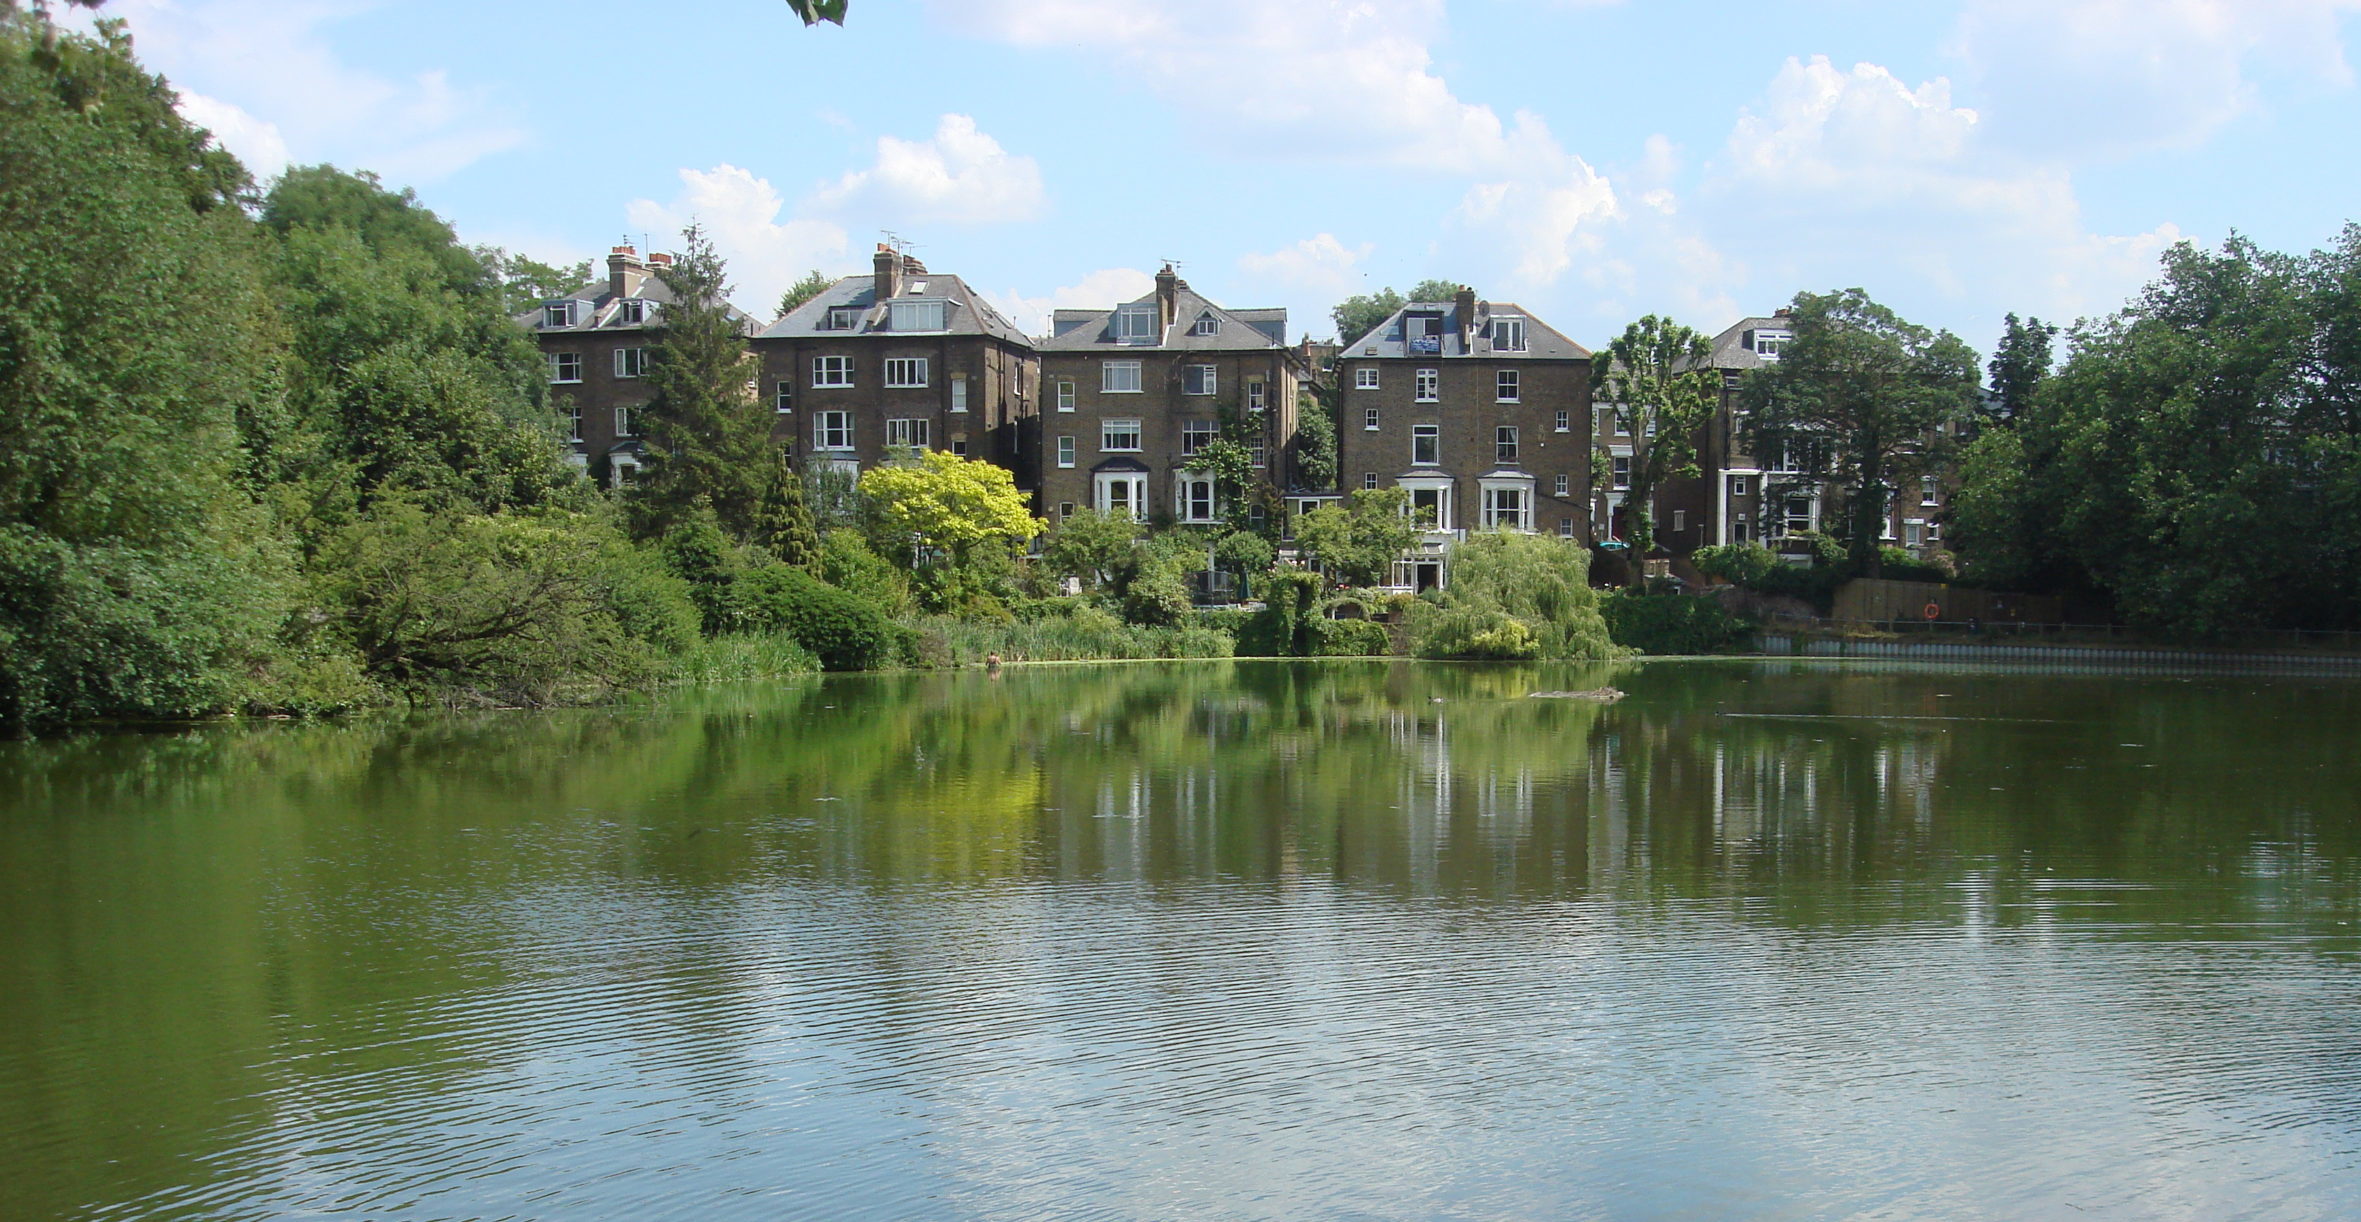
888	272
1167	296
625	273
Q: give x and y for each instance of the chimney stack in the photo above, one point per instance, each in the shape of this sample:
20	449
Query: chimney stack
889	272
1464	308
1167	296
625	272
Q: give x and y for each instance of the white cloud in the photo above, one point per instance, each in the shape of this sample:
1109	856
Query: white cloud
1318	264
740	213
2115	76
960	176
264	68
1099	290
1842	176
256	143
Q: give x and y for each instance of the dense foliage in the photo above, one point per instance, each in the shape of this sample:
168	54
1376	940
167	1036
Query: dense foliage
1655	382
1513	596
2197	457
1858	400
1672	624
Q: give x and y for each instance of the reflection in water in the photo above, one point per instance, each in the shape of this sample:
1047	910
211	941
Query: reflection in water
1204	940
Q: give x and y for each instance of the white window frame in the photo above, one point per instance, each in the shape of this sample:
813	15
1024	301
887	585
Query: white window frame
1113	431
573	415
1136	324
1506	386
1564	485
905	373
1738	485
1192	498
625	426
1206	324
1065	395
1768	343
1365	377
1508	327
783	396
631	311
959	392
631	362
1369	420
832	430
832	372
557	314
915	432
1200	379
1929	491
1195	434
558	364
1619	472
1065	449
1134	486
1442	489
1520	517
1506	443
1432	434
1430	386
1111	384
842	318
1565	421
1680	520
1565	528
1369	480
1257	395
900	311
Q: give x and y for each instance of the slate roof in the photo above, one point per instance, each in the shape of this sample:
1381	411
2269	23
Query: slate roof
966	312
1731	349
1234	330
597	309
1542	342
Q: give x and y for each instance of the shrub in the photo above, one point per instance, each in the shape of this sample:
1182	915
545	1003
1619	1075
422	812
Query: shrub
1350	638
1897	564
1672	623
742	656
1477	634
847	563
1283	627
845	631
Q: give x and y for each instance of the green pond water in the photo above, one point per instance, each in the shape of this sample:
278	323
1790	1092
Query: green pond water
1205	941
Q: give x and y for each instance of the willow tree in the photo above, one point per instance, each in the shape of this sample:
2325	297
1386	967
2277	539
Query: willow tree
1656	382
1856	400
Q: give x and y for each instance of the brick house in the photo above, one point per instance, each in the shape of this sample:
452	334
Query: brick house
1480	411
596	341
902	357
1133	391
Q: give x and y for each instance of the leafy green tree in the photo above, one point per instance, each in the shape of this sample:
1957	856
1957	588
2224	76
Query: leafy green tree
706	435
526	282
1359	544
138	575
814	12
2019	365
961	507
1094	548
812	285
1513	595
409	374
1655	382
2167	460
1856	398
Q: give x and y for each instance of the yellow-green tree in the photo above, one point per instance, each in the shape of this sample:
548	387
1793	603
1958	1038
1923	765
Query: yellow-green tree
964	509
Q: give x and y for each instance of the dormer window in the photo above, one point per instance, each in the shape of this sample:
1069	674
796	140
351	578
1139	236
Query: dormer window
1206	324
632	311
915	315
843	318
1508	334
1424	334
1767	342
1136	324
557	314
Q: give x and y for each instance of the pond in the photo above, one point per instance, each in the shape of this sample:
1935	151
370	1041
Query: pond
1205	940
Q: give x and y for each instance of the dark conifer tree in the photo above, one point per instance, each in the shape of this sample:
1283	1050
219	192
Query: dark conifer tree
706	435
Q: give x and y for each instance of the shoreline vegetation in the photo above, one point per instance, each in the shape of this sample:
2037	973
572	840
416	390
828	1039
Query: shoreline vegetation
283	451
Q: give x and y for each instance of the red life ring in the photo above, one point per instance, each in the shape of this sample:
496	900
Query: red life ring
1932	612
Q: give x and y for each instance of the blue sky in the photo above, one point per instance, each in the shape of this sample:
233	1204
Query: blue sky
1593	160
